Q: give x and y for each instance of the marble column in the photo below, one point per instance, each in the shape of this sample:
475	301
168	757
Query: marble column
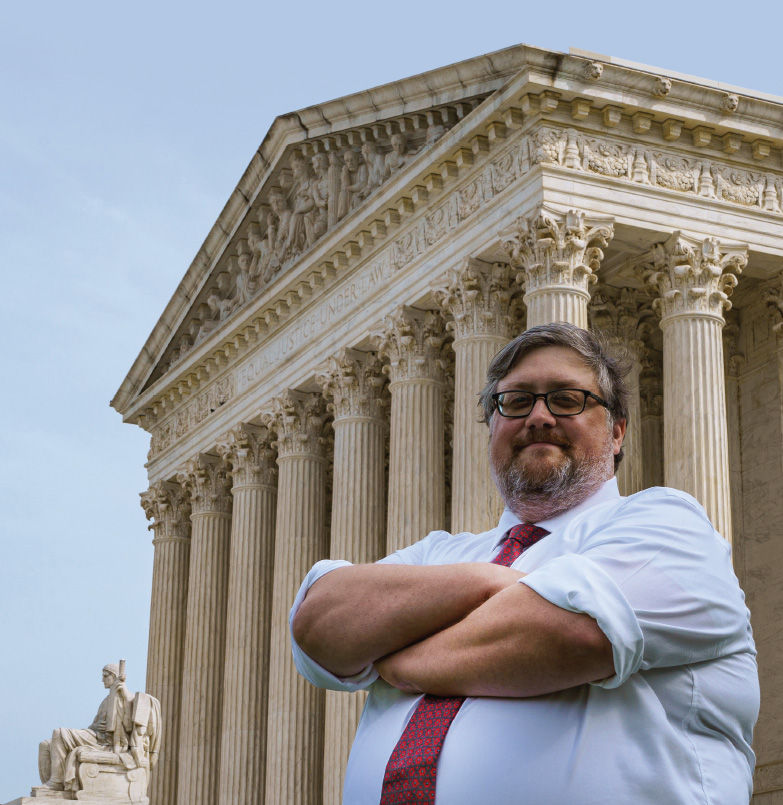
480	303
651	409
247	450
693	280
168	506
295	733
774	299
733	360
354	384
559	254
412	341
622	319
206	478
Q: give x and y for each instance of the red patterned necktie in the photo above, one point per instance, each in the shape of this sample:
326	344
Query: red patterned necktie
410	772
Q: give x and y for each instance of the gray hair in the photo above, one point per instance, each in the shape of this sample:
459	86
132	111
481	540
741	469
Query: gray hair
112	668
610	372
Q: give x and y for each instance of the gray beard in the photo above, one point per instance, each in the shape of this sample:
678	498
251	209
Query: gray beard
565	487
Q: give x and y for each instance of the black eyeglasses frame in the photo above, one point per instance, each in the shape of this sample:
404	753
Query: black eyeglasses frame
545	397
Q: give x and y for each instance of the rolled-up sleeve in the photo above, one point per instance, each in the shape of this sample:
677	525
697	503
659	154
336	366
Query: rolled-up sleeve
658	580
306	665
577	584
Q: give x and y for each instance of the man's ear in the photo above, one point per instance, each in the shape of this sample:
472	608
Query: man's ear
618	435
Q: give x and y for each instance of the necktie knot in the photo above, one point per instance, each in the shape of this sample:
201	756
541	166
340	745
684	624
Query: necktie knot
518	538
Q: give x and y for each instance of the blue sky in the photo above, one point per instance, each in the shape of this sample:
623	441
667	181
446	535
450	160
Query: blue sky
123	130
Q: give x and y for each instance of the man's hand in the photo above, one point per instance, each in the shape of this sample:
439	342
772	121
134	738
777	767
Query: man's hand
354	615
517	644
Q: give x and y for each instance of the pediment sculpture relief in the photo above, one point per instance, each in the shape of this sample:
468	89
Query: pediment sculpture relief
316	188
109	761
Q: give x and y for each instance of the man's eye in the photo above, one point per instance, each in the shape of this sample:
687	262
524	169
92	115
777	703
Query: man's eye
517	398
565	399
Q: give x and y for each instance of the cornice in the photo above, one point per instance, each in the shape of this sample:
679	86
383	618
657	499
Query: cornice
548	89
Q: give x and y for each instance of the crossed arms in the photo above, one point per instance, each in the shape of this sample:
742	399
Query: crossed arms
465	629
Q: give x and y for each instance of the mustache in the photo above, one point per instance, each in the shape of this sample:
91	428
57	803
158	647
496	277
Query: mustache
538	437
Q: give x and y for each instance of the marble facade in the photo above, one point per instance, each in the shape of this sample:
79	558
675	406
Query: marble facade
310	389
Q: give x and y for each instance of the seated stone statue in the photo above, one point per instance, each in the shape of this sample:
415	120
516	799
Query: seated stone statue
111	759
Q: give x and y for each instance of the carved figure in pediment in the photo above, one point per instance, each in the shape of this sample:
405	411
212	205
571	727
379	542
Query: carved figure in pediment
300	228
375	167
434	132
398	157
353	182
209	315
319	188
258	265
335	186
278	226
111	759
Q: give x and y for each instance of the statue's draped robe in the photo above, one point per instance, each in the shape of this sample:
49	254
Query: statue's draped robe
110	721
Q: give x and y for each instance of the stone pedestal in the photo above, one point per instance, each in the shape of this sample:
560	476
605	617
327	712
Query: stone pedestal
169	506
479	300
693	280
412	341
207	480
295	737
353	382
243	744
559	255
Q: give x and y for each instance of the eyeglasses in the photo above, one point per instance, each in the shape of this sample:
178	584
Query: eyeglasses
560	402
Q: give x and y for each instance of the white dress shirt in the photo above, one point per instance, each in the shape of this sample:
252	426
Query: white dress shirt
673	725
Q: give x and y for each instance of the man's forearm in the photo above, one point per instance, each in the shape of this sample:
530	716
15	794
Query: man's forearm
517	644
354	615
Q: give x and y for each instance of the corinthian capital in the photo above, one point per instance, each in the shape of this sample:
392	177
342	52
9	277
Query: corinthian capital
206	479
353	380
623	318
692	277
412	341
556	250
299	419
167	504
247	450
479	298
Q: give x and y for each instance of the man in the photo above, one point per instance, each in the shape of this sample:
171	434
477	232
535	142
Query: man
611	662
109	730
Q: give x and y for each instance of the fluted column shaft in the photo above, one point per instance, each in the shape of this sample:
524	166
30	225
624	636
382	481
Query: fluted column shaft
481	303
202	682
693	280
416	467
296	708
246	676
652	428
629	473
623	320
412	341
476	505
558	254
695	437
353	382
168	505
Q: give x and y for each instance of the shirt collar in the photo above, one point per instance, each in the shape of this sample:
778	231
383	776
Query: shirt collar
608	491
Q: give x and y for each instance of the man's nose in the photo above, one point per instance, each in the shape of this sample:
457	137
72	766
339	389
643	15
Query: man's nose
540	416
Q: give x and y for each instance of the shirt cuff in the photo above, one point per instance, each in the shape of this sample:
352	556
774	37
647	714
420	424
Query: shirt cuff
577	584
313	672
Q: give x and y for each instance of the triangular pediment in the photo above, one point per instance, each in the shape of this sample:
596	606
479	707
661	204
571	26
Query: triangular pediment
313	170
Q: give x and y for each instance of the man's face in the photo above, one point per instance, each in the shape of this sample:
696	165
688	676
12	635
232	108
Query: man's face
547	455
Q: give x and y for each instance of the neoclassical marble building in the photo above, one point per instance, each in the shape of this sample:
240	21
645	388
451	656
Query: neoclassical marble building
310	389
